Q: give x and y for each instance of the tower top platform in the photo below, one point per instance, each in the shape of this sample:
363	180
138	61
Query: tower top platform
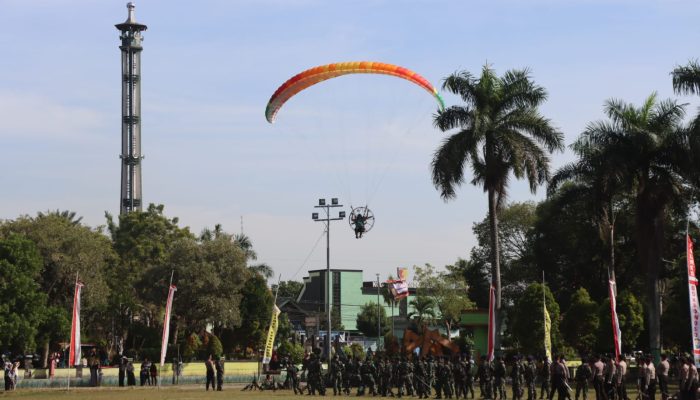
130	24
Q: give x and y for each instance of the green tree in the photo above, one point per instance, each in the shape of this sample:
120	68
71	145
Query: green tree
289	289
527	319
68	248
367	320
448	290
630	314
143	241
500	131
255	309
580	324
649	149
22	308
214	347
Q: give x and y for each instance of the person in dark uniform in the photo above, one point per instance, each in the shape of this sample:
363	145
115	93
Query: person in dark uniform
219	366
209	364
469	368
122	370
293	376
583	375
545	378
499	378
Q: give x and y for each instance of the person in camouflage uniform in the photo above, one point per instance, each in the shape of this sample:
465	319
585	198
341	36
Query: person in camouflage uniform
469	368
516	376
292	377
405	378
584	373
367	374
530	372
499	378
458	377
486	378
314	378
545	374
348	372
336	372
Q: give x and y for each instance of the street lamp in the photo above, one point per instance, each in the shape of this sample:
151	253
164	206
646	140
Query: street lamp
341	215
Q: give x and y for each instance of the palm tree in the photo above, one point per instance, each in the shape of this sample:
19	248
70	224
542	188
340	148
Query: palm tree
69	216
263	269
594	178
423	311
649	150
499	131
686	78
246	245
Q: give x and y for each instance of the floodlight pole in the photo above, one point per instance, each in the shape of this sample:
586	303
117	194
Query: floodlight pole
329	282
379	316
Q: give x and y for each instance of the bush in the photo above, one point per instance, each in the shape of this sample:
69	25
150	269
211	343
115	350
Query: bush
214	347
295	352
192	346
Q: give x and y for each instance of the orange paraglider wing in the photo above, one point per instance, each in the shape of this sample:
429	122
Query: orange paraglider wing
312	76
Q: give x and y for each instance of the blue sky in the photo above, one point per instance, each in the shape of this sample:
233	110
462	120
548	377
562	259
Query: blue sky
209	68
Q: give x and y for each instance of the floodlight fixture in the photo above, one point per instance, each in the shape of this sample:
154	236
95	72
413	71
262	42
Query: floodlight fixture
342	214
321	202
314	216
334	201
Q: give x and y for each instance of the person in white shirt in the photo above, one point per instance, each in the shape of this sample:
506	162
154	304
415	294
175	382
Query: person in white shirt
620	378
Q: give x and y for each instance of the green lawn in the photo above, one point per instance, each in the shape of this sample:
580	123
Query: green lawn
189	392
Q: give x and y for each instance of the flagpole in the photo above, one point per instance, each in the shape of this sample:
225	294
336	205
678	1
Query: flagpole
69	349
160	370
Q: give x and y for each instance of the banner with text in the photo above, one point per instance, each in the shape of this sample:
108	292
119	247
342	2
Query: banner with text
270	342
693	297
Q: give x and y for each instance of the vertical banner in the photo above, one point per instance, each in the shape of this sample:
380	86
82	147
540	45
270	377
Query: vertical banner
693	297
74	355
617	334
547	330
492	324
270	342
166	325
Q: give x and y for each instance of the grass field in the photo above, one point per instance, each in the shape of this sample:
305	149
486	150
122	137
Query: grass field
189	392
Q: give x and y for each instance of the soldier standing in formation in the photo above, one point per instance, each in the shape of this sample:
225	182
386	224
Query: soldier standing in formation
516	376
293	377
583	375
499	378
337	375
469	377
530	372
546	377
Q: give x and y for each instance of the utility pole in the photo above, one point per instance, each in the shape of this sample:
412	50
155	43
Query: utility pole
379	315
329	282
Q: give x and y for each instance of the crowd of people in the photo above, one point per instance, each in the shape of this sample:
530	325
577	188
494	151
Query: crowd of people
456	377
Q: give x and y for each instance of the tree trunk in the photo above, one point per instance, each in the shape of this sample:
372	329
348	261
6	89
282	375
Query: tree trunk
45	354
495	264
650	239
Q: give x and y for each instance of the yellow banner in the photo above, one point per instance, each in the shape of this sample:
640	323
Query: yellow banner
271	335
547	337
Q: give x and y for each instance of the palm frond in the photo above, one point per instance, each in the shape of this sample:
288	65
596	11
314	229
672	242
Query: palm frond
686	78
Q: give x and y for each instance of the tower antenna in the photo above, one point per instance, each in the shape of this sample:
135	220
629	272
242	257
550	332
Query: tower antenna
130	199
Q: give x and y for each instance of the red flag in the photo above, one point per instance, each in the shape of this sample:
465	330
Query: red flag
617	334
74	354
492	324
166	324
693	298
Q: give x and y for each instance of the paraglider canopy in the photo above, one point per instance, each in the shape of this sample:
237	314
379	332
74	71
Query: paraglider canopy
312	76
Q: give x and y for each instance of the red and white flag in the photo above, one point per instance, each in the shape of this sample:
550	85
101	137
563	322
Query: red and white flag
492	324
166	324
617	334
74	355
693	297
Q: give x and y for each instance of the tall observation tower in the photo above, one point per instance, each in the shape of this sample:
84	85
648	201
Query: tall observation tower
131	112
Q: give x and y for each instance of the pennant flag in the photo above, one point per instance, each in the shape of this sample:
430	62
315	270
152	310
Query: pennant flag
492	324
74	355
269	343
693	296
166	324
547	330
617	334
